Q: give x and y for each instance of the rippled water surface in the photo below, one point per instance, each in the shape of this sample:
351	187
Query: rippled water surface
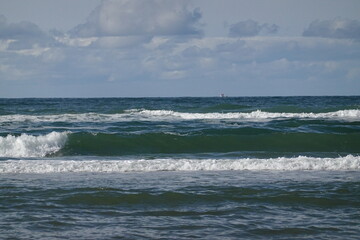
180	168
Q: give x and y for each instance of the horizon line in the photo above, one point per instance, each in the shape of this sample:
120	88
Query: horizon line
225	96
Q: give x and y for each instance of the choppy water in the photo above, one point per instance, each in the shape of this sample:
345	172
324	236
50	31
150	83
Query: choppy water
180	168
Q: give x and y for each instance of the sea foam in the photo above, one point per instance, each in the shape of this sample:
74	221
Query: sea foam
352	114
349	162
168	115
32	146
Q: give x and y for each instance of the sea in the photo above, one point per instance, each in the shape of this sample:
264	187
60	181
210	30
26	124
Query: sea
180	168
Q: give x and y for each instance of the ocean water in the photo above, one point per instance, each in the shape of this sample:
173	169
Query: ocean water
180	168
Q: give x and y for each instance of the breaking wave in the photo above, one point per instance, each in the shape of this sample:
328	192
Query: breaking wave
156	115
258	114
349	162
32	146
220	141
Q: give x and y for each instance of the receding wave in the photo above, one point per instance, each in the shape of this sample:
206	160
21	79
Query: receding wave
349	162
32	146
160	115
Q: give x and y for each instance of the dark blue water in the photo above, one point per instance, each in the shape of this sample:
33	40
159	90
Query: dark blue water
180	168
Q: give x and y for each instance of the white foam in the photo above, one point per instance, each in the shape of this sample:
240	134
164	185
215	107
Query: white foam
349	162
167	115
32	146
82	117
353	114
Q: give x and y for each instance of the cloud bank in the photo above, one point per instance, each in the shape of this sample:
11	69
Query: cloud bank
147	48
140	17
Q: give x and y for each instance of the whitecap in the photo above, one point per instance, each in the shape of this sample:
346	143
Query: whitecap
169	115
32	146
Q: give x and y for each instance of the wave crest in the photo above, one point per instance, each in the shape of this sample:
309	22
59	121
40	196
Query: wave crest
258	114
32	146
156	115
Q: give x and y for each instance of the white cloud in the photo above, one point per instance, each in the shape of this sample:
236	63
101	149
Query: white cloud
259	65
172	75
140	17
75	42
4	43
36	51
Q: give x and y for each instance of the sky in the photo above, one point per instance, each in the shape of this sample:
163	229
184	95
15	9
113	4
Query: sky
171	48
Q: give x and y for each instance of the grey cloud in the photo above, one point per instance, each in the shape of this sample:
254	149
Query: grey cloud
140	17
18	30
250	28
25	34
336	28
120	42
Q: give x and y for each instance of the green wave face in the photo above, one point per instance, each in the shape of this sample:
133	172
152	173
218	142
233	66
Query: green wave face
160	143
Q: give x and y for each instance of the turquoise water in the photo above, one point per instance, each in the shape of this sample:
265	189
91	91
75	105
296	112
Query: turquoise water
180	168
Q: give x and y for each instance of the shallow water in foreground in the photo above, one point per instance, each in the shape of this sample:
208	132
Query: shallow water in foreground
180	168
181	205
